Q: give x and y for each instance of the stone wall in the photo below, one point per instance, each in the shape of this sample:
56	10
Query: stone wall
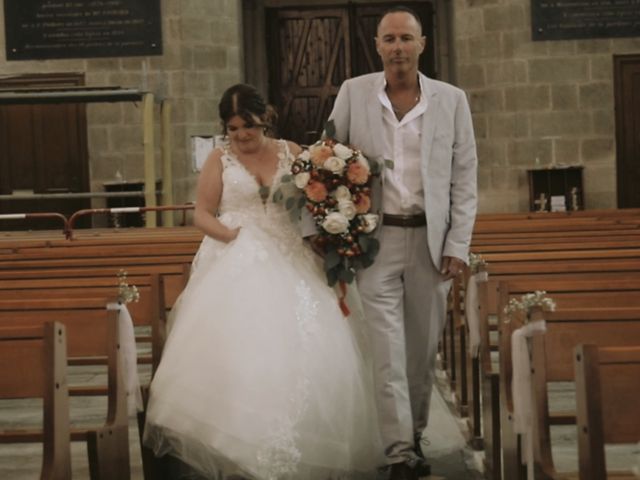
536	104
201	58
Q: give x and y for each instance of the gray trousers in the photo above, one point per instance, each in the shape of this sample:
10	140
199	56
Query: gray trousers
404	299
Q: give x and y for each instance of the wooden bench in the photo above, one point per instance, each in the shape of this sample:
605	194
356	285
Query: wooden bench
490	384
92	336
33	364
149	311
552	361
606	404
465	369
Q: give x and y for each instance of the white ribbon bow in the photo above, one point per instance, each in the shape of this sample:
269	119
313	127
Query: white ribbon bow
127	340
472	310
521	388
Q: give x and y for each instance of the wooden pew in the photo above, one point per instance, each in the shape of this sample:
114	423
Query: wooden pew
606	404
616	320
92	335
490	384
33	364
173	276
552	361
587	269
149	311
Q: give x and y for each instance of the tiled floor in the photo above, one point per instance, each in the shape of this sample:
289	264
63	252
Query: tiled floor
444	442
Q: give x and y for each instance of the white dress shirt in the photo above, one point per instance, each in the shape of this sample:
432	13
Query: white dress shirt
403	192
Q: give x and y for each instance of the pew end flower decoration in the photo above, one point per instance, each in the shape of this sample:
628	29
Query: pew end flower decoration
332	182
477	263
126	293
527	302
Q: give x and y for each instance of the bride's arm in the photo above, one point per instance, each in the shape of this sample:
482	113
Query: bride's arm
208	194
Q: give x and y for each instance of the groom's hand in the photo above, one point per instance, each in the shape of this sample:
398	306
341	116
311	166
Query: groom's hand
451	266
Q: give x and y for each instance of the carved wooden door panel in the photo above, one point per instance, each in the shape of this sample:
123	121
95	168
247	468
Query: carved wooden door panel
310	56
313	50
627	99
43	149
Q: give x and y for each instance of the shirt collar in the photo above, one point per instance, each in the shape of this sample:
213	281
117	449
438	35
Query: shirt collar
415	112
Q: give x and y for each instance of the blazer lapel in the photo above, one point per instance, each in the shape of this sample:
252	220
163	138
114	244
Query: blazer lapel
429	120
374	114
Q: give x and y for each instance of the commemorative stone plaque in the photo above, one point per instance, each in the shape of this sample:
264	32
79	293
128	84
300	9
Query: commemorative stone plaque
571	19
49	29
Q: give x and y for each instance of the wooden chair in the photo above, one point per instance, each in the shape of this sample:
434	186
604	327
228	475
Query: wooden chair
33	364
608	410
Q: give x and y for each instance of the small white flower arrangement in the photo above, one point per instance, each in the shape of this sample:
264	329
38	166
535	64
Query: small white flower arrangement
526	302
476	261
126	293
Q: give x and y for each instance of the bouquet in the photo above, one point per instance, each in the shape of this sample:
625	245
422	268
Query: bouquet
333	182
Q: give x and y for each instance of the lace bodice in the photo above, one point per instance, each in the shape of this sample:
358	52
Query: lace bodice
246	203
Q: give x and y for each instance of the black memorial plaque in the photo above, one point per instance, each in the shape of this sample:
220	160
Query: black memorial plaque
48	29
570	19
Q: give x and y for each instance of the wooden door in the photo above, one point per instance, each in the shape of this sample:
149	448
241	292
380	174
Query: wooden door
309	58
627	101
313	50
43	150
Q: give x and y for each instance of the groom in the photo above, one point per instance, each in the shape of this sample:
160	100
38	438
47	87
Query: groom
421	131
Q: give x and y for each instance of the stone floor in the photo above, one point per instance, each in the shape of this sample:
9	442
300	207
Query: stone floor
444	442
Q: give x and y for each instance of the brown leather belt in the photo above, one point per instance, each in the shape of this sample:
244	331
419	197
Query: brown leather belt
406	221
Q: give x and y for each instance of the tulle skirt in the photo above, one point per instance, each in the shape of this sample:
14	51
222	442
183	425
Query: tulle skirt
262	375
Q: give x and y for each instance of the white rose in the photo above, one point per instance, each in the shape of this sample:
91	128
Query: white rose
334	164
370	222
302	179
305	155
342	194
347	208
341	151
335	223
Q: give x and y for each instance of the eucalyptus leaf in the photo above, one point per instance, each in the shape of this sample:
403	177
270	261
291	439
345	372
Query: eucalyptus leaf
364	241
366	260
290	203
389	164
331	260
374	248
346	275
330	129
332	277
301	201
286	178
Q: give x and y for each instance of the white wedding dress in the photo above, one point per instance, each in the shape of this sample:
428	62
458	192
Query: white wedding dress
262	376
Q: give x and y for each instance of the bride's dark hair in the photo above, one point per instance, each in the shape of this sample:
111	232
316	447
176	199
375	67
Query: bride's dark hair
246	102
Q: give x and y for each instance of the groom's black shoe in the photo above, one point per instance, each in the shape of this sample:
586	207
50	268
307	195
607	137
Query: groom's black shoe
412	469
402	471
422	468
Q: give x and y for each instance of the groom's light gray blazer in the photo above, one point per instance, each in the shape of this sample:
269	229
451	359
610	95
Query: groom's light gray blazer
448	162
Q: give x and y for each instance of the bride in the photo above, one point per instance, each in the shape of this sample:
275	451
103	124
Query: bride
262	377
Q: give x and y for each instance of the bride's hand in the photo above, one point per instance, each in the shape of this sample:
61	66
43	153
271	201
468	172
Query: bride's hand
233	234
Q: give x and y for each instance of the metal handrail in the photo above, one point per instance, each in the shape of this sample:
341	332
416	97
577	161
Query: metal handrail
91	211
27	216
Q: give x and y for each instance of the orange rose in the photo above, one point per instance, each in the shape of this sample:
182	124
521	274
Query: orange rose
320	154
363	204
358	173
316	191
